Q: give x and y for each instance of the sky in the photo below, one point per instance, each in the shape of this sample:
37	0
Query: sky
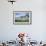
20	14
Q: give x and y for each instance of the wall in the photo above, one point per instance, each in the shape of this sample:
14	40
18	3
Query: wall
9	31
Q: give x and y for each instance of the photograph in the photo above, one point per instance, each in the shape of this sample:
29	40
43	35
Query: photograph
22	17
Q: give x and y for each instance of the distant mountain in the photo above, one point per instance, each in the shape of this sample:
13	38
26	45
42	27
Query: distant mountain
22	17
26	16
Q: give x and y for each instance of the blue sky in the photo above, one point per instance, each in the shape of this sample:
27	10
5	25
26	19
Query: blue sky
20	14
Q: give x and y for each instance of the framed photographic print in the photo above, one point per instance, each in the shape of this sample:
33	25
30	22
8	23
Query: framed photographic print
22	17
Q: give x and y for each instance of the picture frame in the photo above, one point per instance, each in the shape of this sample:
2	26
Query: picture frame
22	17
